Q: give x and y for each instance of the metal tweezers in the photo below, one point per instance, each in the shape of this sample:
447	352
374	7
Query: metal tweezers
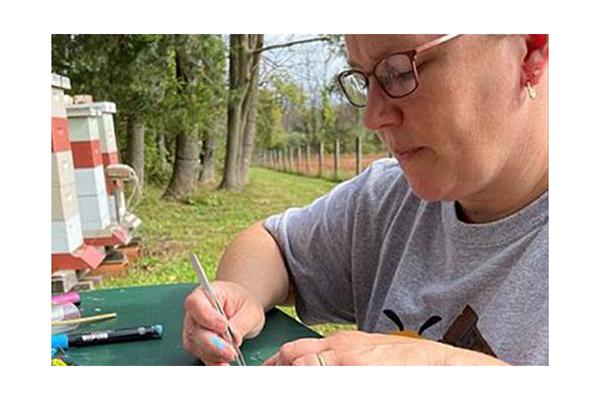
205	284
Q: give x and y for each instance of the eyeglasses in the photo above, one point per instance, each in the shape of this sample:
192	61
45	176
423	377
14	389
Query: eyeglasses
396	74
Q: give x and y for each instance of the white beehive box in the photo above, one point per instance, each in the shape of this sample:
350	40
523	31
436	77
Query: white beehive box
83	129
64	203
94	212
66	235
63	173
90	181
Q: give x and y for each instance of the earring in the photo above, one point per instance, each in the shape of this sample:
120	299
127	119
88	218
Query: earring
530	91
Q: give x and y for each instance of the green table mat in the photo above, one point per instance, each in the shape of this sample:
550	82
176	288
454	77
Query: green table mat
163	304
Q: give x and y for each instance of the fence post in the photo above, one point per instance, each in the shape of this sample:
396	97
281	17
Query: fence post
321	157
336	160
290	159
358	154
307	158
279	159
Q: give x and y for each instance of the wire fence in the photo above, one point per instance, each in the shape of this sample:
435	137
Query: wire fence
306	160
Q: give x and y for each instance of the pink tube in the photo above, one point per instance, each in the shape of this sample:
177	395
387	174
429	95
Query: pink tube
70	297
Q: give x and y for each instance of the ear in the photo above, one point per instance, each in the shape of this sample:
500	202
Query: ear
536	59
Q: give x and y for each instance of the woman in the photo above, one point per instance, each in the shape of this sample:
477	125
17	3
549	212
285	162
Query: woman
446	246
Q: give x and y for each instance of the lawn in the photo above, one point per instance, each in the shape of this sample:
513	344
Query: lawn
171	230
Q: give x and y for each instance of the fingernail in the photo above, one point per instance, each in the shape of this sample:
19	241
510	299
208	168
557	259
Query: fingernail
218	342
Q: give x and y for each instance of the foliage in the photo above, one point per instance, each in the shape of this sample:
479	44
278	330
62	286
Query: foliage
299	105
178	83
269	123
127	69
328	116
138	73
195	83
155	170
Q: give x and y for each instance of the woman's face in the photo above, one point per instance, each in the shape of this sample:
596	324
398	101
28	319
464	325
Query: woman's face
459	131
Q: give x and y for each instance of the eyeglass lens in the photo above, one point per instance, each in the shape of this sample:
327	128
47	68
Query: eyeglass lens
394	74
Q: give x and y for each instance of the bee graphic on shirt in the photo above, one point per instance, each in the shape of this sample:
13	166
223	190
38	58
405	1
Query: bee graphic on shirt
408	333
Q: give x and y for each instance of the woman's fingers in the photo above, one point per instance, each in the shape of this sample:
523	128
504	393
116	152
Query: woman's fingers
206	333
298	349
206	345
322	359
203	312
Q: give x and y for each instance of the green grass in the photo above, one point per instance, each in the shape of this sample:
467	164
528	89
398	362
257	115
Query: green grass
172	230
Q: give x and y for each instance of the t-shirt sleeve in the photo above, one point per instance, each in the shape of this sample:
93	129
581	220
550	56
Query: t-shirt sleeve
316	244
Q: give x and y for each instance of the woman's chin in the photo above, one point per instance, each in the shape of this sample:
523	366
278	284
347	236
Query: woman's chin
426	189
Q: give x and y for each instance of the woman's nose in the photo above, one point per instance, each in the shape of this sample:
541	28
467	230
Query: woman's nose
380	110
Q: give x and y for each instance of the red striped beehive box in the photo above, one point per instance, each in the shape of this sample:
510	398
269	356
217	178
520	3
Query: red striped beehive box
115	188
110	155
98	229
68	248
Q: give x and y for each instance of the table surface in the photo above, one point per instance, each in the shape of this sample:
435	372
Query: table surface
163	304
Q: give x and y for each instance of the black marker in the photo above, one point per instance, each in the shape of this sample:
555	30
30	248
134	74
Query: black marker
106	337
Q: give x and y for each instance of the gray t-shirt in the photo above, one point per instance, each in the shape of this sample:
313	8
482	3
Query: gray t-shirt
371	252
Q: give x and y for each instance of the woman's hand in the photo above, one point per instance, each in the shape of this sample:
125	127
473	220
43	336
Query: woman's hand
204	329
360	348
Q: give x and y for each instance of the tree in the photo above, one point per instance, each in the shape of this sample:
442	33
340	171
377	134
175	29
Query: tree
126	69
193	106
244	58
270	131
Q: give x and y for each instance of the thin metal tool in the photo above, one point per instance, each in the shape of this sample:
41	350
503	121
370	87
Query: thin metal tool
205	284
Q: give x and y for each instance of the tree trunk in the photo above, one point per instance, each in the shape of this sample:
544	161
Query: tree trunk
207	158
135	146
234	110
299	160
162	151
250	119
185	170
231	173
243	70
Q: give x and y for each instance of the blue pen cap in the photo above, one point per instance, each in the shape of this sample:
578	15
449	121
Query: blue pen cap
60	341
158	330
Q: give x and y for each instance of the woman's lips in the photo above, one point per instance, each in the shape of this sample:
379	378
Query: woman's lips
409	154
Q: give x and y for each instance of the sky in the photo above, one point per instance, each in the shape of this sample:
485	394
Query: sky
311	65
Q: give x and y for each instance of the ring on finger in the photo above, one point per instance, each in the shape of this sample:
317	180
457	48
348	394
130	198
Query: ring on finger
320	360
